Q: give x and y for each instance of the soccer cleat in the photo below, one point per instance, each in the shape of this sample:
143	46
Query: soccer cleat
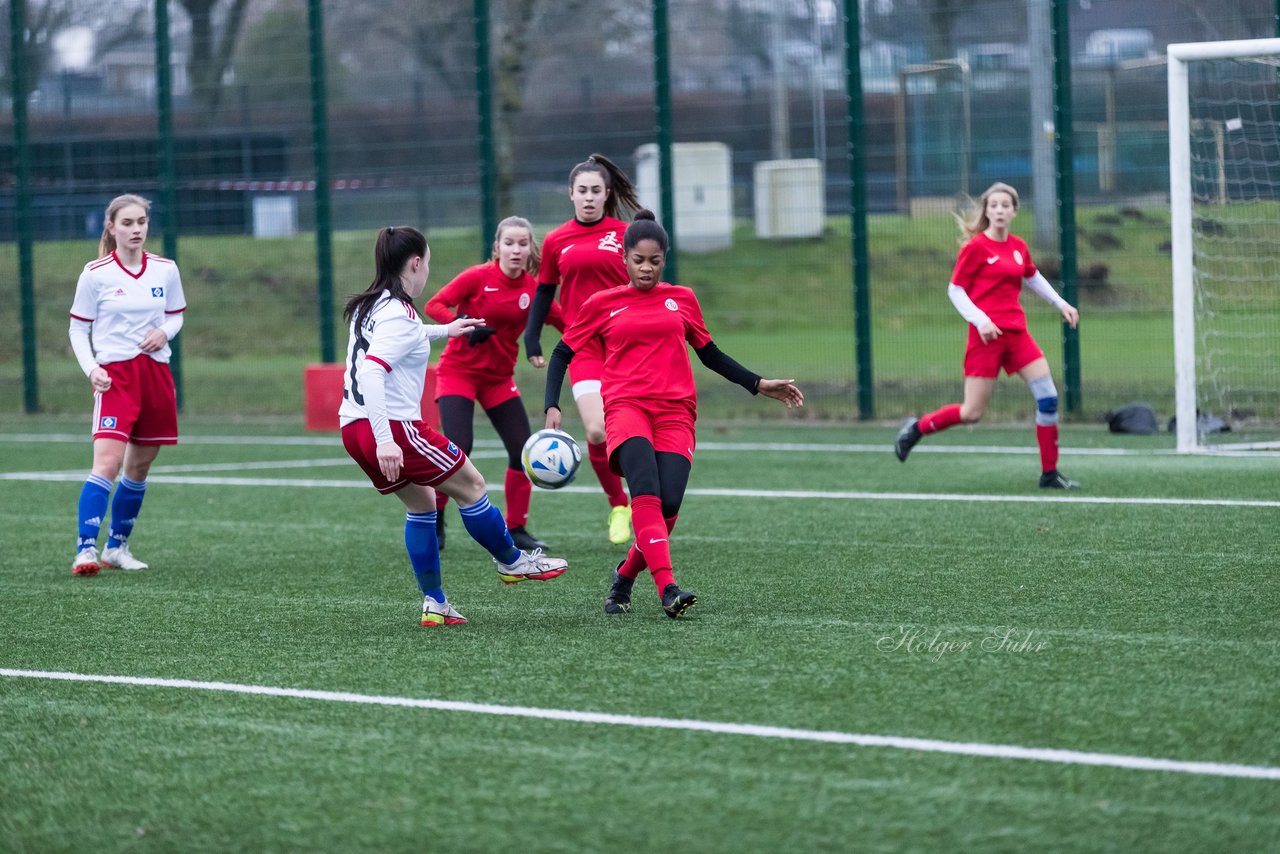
86	562
534	565
619	599
1057	480
440	530
908	436
676	601
121	558
525	541
620	525
435	614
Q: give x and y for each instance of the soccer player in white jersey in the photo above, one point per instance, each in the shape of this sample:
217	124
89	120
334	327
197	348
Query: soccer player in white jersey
128	306
383	430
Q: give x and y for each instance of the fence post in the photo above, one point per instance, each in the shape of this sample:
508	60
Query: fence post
22	177
662	109
168	169
484	106
1063	118
854	123
324	222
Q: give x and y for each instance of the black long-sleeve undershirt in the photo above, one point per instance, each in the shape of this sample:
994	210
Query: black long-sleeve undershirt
538	311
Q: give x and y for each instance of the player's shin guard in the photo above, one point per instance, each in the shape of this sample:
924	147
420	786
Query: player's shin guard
424	553
651	537
1046	395
516	489
485	524
941	419
598	453
124	510
91	509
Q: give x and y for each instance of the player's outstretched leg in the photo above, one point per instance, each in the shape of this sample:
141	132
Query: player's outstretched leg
907	438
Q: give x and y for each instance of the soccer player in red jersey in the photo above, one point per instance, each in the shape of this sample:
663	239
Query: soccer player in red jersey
383	430
133	303
991	271
481	365
584	256
650	401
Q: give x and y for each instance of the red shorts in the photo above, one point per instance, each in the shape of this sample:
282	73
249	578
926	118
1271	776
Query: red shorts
586	366
429	458
667	424
485	391
140	407
1012	351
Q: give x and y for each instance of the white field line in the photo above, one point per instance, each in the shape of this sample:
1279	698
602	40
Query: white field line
926	745
821	495
781	447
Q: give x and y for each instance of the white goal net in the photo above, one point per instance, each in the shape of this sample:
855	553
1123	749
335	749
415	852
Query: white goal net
1224	167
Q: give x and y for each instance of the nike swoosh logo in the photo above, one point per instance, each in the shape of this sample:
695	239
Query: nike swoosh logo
993	259
663	540
619	310
566	249
489	290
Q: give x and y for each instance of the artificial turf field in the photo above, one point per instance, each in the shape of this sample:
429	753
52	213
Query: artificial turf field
883	658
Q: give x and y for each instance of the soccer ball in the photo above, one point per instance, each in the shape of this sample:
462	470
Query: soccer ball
551	458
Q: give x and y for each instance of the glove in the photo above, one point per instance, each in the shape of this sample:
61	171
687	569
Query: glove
480	334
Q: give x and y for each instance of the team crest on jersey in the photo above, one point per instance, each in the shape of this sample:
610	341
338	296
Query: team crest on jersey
609	243
524	301
157	292
1017	256
452	449
108	422
671	305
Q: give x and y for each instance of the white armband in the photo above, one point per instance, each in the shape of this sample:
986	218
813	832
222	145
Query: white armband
79	333
172	324
970	312
373	385
436	331
1040	285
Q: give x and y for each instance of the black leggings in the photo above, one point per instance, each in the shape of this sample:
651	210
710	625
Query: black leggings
508	418
650	472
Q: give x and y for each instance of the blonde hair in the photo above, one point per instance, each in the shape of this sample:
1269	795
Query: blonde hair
535	255
107	243
977	222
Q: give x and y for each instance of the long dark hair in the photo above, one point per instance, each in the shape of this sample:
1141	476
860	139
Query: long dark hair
395	246
622	193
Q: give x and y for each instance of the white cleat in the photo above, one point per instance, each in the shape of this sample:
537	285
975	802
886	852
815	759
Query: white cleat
121	558
436	614
86	562
533	565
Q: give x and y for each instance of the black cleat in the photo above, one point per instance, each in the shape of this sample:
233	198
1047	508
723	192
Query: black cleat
1057	480
676	601
908	436
525	541
619	599
440	530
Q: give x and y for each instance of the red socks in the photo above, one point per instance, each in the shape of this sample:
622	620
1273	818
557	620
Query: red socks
652	547
1047	438
599	456
517	488
947	416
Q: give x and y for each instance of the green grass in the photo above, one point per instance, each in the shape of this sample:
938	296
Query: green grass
1159	621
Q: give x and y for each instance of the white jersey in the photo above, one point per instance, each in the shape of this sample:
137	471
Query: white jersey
123	306
394	337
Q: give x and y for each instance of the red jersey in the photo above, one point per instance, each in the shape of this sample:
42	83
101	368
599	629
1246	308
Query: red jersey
643	335
583	259
991	273
485	291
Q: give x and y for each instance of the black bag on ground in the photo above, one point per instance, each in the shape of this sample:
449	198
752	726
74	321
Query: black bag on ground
1137	418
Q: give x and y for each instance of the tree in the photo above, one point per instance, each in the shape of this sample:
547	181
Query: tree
44	21
273	67
212	49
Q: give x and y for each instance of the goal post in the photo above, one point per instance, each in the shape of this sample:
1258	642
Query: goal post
1181	57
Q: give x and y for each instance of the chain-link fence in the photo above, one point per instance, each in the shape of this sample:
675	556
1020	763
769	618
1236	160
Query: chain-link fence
952	96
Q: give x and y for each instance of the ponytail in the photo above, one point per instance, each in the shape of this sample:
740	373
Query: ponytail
622	193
